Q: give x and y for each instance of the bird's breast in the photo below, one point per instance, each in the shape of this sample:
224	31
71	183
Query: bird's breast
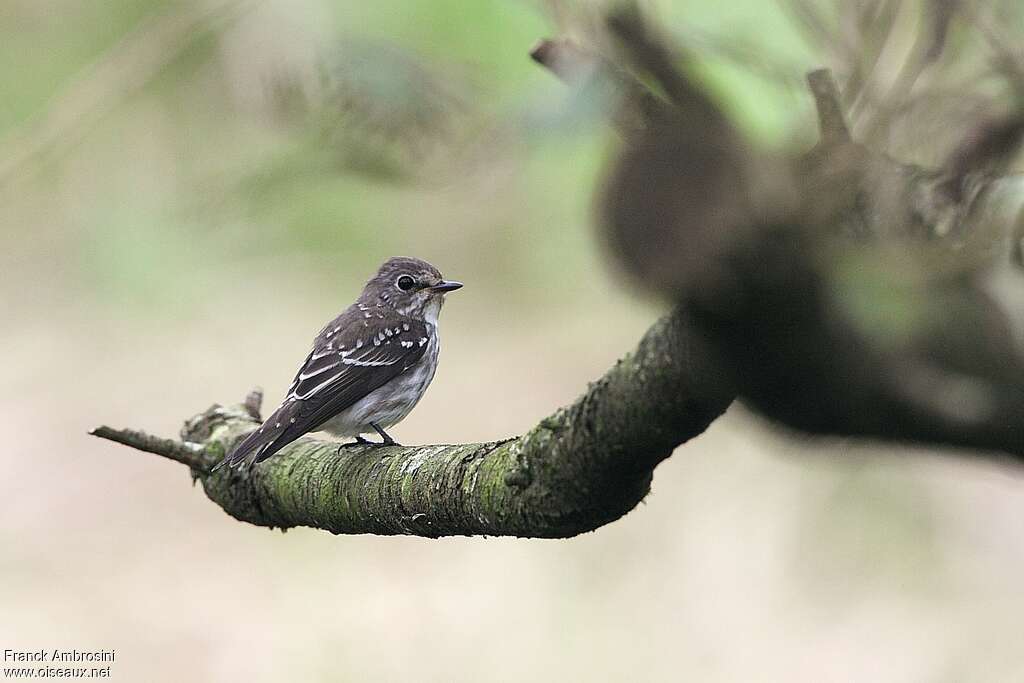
391	403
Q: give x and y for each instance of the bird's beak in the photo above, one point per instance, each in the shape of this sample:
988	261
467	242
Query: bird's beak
445	286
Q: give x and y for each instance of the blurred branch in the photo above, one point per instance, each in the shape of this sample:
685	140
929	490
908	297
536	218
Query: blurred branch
581	468
645	50
876	356
983	154
808	20
636	106
928	44
564	59
774	304
831	120
822	333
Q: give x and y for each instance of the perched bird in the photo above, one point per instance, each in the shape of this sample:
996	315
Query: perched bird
368	367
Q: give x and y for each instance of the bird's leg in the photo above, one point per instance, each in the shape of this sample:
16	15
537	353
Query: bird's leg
360	441
388	441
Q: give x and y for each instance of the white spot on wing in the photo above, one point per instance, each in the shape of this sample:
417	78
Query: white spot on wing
369	363
306	375
318	387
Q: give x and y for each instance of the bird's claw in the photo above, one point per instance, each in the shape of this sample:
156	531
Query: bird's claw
360	441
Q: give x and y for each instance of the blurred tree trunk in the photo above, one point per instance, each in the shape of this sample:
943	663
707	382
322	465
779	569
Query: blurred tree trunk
836	291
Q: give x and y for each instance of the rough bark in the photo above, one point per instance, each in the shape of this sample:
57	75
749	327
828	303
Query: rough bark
584	466
753	249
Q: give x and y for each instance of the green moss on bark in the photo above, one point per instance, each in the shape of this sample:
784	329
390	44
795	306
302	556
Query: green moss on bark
584	466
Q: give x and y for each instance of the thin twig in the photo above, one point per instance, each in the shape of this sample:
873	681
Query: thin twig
987	148
564	59
575	66
649	53
253	403
834	130
190	454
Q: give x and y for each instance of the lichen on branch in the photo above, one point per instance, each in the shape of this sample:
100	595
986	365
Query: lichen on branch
584	466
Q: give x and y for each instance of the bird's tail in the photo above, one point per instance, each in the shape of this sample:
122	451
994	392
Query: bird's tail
261	443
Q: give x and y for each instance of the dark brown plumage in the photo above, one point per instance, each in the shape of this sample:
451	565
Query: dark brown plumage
368	367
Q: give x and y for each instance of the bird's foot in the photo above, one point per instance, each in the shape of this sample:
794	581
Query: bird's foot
380	444
360	441
387	440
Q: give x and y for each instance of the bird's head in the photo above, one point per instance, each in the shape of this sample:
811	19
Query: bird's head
409	286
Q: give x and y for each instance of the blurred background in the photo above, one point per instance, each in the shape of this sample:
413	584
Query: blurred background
189	189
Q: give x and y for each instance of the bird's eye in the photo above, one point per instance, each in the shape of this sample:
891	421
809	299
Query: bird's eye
405	283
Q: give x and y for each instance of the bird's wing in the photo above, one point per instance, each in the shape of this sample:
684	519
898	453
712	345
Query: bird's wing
350	358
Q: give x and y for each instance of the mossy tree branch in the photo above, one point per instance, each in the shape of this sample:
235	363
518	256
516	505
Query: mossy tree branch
774	265
582	467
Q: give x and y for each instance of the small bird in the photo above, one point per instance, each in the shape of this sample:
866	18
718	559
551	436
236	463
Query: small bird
368	367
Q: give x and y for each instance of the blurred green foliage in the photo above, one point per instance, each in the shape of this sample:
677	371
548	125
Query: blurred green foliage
410	124
168	166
